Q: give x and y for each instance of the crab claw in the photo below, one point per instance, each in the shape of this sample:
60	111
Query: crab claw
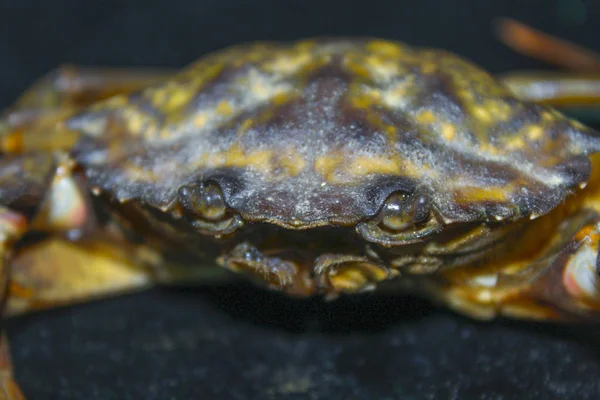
581	271
561	281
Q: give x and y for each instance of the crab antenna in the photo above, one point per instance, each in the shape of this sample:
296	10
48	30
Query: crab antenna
544	47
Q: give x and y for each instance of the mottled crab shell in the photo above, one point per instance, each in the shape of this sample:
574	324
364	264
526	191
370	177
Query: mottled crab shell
321	132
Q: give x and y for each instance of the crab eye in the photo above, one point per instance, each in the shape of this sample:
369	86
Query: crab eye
203	200
402	212
404	219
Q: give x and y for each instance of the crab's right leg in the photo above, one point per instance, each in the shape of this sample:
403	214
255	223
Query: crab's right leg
53	253
12	227
37	195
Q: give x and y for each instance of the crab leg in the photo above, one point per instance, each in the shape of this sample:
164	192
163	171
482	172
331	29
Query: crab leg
53	252
12	227
72	86
561	283
71	256
557	89
78	257
38	193
547	48
34	122
8	387
554	274
579	88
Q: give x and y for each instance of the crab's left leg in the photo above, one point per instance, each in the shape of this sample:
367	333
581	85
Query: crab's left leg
576	90
562	282
553	272
547	48
562	90
35	121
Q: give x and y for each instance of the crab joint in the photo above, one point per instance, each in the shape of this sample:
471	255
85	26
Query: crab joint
64	207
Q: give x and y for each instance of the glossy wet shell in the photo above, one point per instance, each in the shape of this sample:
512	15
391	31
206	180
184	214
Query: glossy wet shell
322	132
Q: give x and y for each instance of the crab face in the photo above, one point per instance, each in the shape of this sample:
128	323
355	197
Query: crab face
328	166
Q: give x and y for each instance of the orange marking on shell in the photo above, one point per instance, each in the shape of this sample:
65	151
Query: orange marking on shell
515	143
479	194
486	147
356	68
364	165
200	120
534	132
288	64
482	114
236	157
385	48
280	98
425	117
448	131
245	125
327	165
178	97
395	96
291	162
224	108
380	68
429	68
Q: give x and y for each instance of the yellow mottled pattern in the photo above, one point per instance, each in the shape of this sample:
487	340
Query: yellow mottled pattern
448	131
326	166
477	194
385	48
422	114
394	96
291	163
534	132
426	117
237	157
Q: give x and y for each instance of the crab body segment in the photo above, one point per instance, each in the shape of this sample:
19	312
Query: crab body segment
318	167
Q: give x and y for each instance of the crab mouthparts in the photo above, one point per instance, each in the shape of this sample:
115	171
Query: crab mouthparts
329	274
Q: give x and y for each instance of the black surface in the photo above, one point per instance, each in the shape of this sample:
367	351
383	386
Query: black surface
242	343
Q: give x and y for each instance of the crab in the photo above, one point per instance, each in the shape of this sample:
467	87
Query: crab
318	167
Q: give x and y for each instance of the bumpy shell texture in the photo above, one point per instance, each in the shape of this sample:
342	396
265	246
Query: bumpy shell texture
322	132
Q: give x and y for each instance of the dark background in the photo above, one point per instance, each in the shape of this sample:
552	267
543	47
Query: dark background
243	343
